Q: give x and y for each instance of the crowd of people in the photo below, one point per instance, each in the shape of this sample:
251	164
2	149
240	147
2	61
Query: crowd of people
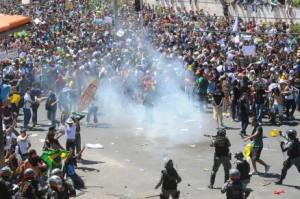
246	69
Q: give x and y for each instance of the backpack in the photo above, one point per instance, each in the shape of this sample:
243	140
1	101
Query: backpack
48	104
21	103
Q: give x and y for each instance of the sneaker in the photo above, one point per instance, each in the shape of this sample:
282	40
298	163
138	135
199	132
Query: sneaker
267	169
253	173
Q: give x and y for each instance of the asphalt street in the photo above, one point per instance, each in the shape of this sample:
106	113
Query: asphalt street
130	164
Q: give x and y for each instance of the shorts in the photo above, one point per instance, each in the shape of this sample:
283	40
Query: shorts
255	153
217	112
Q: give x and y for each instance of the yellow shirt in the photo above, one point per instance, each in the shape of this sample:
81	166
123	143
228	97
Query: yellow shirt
15	99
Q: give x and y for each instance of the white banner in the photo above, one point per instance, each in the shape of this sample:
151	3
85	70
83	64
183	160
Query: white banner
25	2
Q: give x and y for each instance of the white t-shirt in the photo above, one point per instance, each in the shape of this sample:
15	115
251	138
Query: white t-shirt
70	132
9	137
27	101
23	144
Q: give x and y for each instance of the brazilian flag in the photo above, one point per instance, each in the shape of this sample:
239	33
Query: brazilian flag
54	158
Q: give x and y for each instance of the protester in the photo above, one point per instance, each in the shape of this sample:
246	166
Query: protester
69	169
23	144
257	138
51	107
26	108
35	95
51	141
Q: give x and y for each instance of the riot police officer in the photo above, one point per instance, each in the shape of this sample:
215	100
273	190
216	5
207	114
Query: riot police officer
293	151
55	188
169	181
222	156
234	188
68	187
244	168
29	186
5	183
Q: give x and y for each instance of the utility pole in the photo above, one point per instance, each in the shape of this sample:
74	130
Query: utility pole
115	10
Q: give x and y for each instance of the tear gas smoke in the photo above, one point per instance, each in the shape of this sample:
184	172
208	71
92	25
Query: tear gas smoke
166	109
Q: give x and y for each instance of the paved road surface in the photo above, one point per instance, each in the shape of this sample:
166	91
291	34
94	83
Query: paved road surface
129	165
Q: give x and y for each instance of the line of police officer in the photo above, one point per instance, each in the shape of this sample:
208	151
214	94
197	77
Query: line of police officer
57	188
236	179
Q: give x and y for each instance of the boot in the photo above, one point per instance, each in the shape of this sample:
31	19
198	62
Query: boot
279	182
212	181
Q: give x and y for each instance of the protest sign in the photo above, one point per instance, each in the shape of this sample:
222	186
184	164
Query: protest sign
88	95
249	50
25	2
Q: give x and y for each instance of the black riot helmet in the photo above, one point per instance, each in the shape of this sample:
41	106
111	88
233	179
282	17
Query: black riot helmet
292	134
239	155
234	174
221	132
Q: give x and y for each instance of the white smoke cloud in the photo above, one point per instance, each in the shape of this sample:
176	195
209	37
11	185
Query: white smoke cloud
174	114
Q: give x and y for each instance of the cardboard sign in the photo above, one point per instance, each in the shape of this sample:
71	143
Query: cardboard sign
88	95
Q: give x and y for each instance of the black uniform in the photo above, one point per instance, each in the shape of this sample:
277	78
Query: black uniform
170	179
69	189
244	169
293	151
54	194
234	190
29	190
5	189
222	156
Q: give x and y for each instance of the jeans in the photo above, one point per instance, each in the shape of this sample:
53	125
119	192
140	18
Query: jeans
52	116
27	116
78	142
244	124
34	109
77	181
70	144
234	110
259	112
94	112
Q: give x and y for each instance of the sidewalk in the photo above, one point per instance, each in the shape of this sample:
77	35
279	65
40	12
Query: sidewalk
214	7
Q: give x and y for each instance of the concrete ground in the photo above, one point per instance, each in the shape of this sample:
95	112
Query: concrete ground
129	166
